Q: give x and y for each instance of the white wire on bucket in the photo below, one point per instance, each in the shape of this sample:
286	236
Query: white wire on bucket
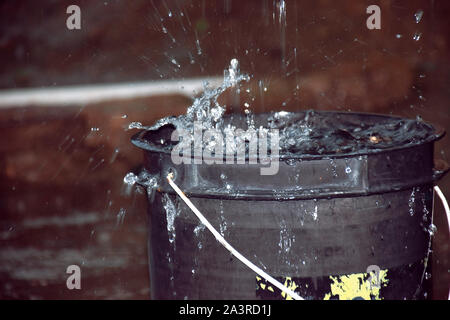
447	212
233	251
445	203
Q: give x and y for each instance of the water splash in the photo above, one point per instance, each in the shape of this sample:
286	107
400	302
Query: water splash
144	179
314	214
171	214
432	229
130	179
418	16
206	108
198	229
120	217
223	226
333	168
412	202
287	238
135	125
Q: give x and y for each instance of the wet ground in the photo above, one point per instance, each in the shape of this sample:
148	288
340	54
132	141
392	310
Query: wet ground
62	198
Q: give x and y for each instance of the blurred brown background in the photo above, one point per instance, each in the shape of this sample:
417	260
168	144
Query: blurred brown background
62	199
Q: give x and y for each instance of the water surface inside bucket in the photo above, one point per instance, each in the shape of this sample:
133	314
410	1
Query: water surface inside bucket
306	133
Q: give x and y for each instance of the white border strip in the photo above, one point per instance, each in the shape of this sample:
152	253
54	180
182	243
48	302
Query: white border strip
78	95
223	242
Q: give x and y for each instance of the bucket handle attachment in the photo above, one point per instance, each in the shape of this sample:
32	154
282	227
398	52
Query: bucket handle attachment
441	167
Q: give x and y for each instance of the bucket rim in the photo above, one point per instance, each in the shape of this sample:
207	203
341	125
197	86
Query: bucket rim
438	133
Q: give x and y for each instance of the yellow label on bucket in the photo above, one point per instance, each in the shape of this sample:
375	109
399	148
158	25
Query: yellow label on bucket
345	287
349	287
288	283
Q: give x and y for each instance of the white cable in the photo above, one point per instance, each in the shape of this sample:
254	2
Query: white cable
447	212
445	203
233	251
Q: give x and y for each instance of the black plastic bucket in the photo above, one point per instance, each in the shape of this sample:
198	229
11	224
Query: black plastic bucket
338	218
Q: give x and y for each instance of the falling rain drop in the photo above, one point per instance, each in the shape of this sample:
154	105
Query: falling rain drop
120	216
418	16
175	62
114	155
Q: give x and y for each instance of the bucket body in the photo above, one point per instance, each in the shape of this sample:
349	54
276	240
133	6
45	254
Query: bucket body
353	226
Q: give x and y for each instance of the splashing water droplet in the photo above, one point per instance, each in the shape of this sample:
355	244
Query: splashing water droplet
333	168
233	72
417	36
287	238
175	62
120	216
199	49
432	229
171	214
291	162
130	178
199	229
315	213
135	125
411	202
418	16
